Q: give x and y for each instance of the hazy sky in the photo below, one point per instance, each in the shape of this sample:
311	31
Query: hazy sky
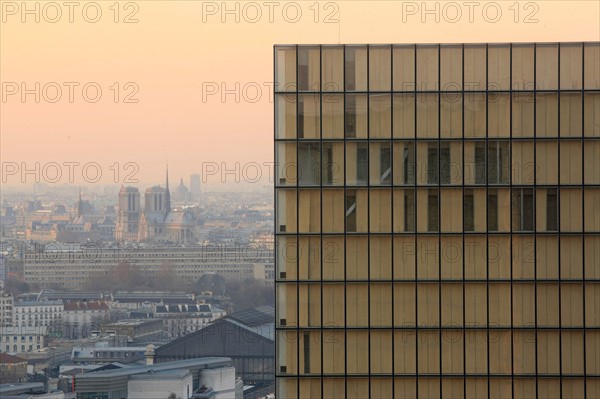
177	50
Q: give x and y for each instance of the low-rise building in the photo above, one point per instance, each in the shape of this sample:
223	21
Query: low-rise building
182	319
160	385
13	369
47	358
106	354
37	313
214	377
27	389
20	339
148	300
134	330
80	318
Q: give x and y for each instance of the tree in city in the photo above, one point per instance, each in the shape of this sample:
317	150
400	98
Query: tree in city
249	294
165	279
127	276
123	276
17	286
97	282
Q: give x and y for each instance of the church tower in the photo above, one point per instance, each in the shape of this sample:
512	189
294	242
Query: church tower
128	214
79	207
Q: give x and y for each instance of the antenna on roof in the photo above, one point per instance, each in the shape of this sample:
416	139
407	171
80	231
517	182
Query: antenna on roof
168	194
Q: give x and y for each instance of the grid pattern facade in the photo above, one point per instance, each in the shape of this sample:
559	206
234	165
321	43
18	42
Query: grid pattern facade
72	269
438	220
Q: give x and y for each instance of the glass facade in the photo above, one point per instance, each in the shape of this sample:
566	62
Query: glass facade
438	220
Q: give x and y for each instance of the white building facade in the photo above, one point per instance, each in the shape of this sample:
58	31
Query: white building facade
37	313
20	339
80	318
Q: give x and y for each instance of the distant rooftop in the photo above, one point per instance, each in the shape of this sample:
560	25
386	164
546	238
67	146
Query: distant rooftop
5	358
186	308
112	348
142	296
259	321
38	303
205	363
130	322
164	374
86	305
21	388
254	317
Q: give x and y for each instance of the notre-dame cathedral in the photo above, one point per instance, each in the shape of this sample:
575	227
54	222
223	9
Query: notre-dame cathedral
157	221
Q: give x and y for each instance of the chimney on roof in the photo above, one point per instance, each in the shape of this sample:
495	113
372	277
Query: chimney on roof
150	354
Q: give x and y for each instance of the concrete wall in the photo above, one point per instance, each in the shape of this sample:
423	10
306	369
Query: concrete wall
149	388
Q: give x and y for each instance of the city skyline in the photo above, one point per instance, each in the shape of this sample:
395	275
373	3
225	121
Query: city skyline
300	199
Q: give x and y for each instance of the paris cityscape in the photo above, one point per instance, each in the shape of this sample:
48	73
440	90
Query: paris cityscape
297	200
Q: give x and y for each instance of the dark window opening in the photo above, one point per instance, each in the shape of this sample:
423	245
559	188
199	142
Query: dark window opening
409	163
350	120
350	72
469	211
432	164
306	353
362	163
433	211
523	209
329	165
492	211
300	117
409	212
552	210
480	163
445	163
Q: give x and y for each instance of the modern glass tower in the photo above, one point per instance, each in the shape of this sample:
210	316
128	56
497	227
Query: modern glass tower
438	220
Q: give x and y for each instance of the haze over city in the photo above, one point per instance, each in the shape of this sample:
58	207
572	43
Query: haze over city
201	72
299	199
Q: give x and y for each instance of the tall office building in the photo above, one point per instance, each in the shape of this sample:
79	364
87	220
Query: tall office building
195	186
438	220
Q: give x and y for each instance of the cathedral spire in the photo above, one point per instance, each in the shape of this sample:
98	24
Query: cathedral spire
79	206
168	194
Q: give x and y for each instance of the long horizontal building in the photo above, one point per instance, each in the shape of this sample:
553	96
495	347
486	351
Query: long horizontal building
212	377
71	268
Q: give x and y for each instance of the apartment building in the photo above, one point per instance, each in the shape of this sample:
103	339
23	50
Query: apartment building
6	308
72	268
183	319
80	318
28	313
437	220
21	339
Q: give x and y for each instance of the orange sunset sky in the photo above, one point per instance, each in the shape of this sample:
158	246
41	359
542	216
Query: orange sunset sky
176	47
